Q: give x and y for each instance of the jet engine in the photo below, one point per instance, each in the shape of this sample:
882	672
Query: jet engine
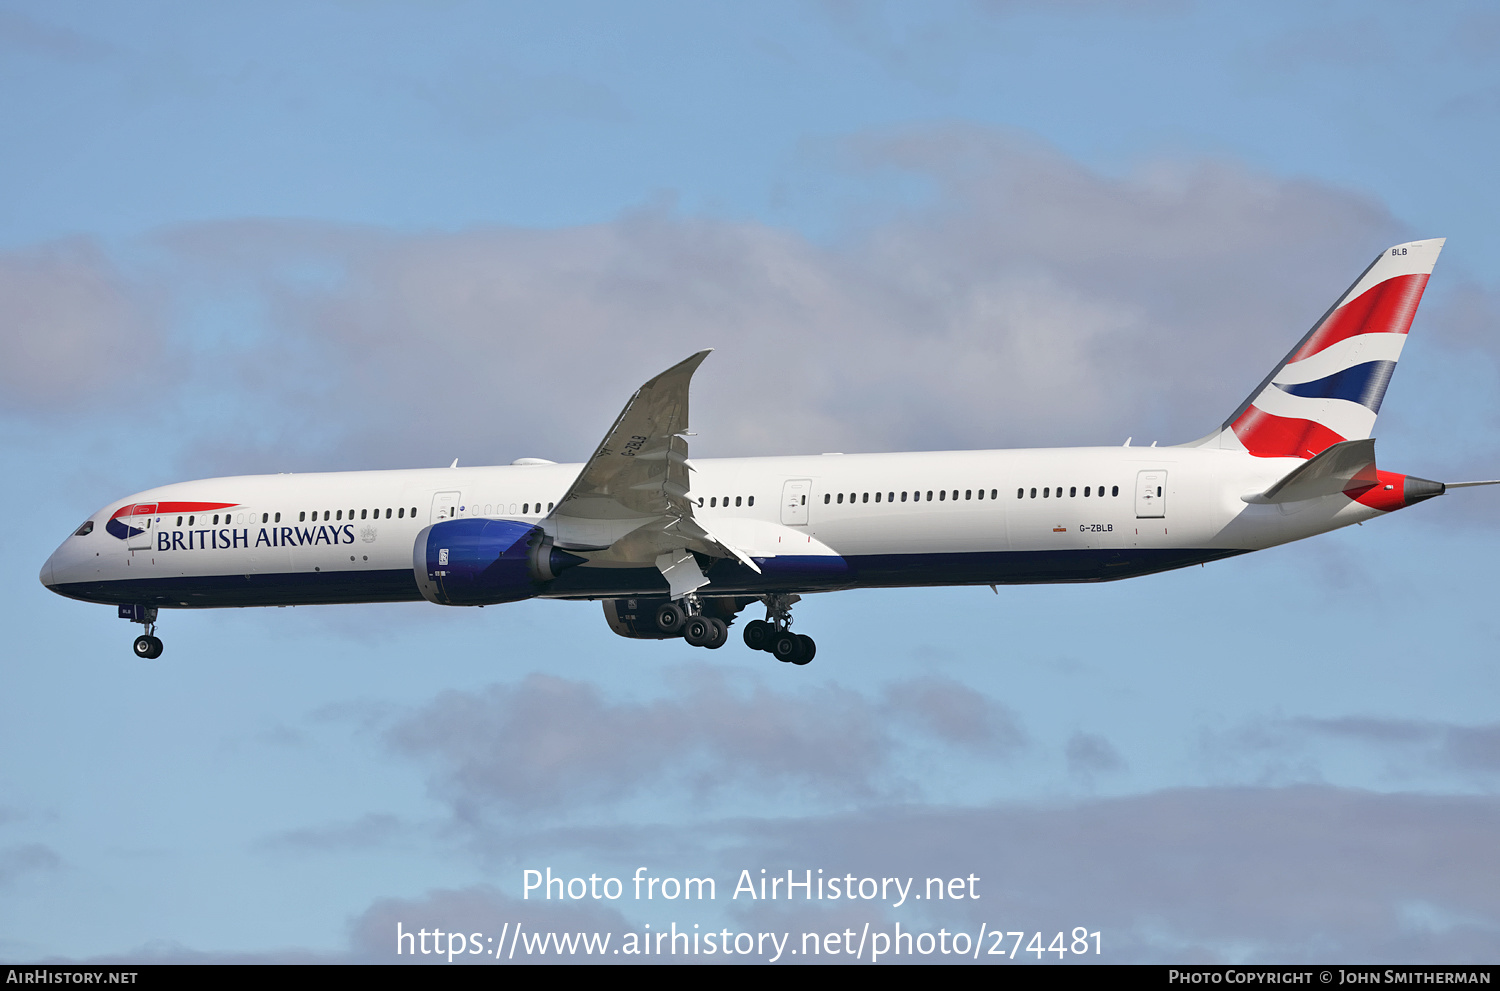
472	562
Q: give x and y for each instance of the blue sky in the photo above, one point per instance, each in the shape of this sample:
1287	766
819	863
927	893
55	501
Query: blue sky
337	236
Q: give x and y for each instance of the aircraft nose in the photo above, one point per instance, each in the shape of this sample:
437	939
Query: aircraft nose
46	575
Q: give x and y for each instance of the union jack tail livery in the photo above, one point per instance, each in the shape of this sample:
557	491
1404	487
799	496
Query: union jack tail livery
1329	388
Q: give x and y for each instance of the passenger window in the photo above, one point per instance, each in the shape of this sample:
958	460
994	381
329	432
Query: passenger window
827	498
700	502
713	503
968	494
752	500
736	500
216	519
866	497
841	498
1020	493
400	512
877	497
190	520
1046	492
1114	490
179	521
903	497
1033	492
1072	492
942	494
929	495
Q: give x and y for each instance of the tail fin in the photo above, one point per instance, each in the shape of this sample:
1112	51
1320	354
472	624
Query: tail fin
1329	388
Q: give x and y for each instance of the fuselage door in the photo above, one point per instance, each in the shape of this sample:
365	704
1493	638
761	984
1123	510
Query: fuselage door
1151	495
794	496
444	506
143	519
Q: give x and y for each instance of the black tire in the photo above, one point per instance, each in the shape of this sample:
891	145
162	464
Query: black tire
758	634
720	633
144	646
698	631
786	646
156	648
809	649
669	618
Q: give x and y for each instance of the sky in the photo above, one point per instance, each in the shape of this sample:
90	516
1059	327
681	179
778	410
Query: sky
340	236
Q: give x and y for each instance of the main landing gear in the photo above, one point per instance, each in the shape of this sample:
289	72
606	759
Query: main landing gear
687	618
147	645
773	634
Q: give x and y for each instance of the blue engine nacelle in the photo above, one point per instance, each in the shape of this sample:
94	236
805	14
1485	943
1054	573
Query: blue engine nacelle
482	562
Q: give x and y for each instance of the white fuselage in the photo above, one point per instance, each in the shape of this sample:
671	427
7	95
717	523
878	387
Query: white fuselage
811	523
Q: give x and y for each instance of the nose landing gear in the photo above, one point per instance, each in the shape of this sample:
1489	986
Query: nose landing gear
147	645
773	634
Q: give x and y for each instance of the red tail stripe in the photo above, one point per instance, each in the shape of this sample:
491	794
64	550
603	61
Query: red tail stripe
1387	308
1266	435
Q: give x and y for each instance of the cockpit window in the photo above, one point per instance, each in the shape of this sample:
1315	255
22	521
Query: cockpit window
84	530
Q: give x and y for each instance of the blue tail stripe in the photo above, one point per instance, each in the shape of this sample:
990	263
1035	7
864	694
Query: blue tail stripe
1364	384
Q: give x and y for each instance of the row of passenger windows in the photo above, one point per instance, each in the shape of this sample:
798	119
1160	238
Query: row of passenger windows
711	502
490	509
715	501
1050	492
364	514
941	495
302	517
949	495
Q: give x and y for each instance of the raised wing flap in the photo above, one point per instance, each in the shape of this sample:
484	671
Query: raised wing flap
639	473
1342	466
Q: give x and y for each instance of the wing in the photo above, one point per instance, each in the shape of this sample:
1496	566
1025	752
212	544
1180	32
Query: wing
629	505
639	473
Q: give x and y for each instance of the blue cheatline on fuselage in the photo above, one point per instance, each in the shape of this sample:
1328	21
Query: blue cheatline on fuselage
824	573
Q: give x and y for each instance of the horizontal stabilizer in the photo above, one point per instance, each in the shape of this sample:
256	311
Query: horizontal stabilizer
1349	464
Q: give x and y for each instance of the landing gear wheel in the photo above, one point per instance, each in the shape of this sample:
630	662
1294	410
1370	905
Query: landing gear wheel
758	634
808	649
669	618
698	631
786	646
148	647
720	635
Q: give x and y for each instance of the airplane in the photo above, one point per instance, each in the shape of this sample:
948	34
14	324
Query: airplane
675	547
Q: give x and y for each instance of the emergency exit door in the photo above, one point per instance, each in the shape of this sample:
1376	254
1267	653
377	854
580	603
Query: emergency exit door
1151	495
794	495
